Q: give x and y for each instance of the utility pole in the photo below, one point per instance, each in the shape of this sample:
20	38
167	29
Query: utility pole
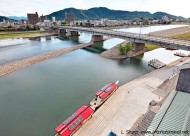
149	29
140	29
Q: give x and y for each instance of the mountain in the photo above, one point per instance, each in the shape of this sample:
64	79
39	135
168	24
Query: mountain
159	15
102	12
2	17
6	18
17	18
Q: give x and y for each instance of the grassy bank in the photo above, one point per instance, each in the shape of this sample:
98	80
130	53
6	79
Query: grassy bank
149	47
19	34
185	36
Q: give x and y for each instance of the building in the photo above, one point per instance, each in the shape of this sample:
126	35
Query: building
69	17
6	23
173	118
165	20
33	18
23	22
42	18
53	19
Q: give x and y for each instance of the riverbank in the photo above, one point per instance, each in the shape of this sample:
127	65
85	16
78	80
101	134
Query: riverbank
171	32
124	108
19	64
137	26
113	53
25	34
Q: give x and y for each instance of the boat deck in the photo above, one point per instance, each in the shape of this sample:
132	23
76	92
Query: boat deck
156	63
127	104
94	104
180	54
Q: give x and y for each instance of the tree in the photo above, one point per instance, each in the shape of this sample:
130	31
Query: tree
81	24
63	23
77	23
35	27
28	27
54	23
123	49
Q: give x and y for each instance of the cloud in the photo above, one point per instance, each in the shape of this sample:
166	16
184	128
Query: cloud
22	7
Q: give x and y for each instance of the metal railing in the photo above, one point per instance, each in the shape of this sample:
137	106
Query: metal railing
152	38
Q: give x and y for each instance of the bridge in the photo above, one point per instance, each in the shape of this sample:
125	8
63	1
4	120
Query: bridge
138	40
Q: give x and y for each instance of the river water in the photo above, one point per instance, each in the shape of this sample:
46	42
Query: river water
35	99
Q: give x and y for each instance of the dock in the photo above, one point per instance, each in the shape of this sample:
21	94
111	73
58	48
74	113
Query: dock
180	54
156	64
123	109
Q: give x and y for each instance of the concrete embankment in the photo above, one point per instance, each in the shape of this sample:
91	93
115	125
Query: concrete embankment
14	66
121	111
25	34
172	31
114	53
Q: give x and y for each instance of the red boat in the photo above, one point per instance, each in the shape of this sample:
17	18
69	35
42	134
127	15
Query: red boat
103	94
71	124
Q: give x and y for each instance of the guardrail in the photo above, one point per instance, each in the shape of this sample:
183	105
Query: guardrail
124	35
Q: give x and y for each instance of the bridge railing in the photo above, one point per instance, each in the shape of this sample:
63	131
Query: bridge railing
132	35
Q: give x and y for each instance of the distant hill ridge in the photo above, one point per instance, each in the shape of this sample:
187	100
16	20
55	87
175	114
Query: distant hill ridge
2	17
17	18
98	13
102	12
7	18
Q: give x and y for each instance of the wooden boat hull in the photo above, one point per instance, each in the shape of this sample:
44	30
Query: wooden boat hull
94	104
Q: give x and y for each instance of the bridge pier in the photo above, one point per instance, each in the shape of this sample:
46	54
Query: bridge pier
74	33
138	46
62	32
97	38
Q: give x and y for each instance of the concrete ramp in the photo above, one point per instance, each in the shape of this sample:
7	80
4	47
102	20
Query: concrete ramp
183	84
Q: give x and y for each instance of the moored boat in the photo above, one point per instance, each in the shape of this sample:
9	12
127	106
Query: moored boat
103	94
70	125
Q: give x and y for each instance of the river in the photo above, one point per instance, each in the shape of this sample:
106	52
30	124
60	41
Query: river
35	99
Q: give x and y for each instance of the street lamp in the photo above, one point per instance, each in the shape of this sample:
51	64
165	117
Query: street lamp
149	29
140	29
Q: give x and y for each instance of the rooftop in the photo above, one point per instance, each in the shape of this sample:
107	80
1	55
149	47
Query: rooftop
174	115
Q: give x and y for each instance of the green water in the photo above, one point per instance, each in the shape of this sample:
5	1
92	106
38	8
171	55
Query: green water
35	99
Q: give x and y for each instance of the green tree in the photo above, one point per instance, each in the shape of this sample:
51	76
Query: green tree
63	23
123	49
77	23
35	27
3	29
81	24
28	27
54	23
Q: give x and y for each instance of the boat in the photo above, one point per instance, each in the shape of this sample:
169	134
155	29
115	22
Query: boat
180	54
71	124
103	94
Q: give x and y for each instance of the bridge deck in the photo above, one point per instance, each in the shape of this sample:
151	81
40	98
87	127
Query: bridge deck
134	37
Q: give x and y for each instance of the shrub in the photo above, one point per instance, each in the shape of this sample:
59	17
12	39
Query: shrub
123	49
64	23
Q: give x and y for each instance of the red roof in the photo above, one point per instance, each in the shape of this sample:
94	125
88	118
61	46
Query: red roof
72	117
74	121
72	126
106	90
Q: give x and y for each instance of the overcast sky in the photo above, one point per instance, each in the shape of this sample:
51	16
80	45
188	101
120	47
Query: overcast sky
22	7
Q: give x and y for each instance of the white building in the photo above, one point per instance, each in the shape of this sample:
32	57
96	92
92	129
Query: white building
165	19
53	19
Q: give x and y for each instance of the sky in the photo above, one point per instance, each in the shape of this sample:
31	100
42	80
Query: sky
45	7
